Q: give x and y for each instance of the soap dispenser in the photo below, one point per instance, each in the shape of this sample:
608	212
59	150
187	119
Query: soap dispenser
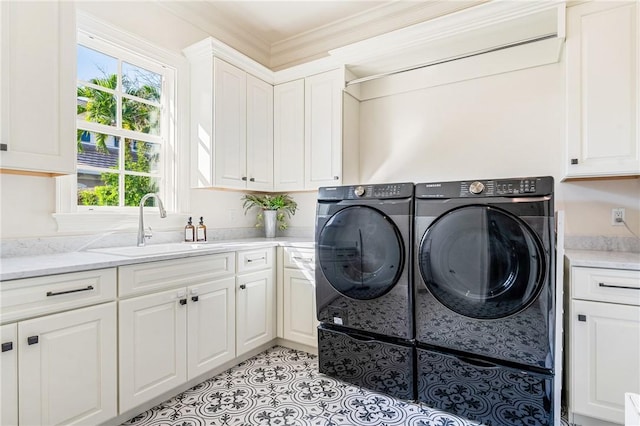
201	231
189	232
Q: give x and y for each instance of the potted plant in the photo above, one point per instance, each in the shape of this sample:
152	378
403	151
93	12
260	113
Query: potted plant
274	209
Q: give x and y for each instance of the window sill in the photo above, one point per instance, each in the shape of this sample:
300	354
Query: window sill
92	221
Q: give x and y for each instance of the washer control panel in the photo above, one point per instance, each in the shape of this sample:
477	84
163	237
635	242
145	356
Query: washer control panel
520	187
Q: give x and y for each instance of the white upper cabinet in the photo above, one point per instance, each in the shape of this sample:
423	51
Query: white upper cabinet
37	87
288	136
231	126
323	129
603	79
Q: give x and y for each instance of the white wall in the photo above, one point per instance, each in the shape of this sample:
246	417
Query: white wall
507	125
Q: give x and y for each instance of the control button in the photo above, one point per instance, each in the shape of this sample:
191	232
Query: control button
476	187
359	191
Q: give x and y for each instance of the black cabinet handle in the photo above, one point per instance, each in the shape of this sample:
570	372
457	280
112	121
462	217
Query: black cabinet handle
253	260
194	298
336	177
618	286
242	286
6	347
58	293
244	178
252	180
183	301
3	147
574	161
32	340
582	318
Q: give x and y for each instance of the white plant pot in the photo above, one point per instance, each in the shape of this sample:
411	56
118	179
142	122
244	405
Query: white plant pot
270	221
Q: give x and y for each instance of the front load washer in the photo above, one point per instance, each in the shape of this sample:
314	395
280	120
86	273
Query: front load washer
363	285
485	299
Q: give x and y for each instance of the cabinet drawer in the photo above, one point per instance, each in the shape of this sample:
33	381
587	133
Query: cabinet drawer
254	260
31	297
153	276
606	285
299	258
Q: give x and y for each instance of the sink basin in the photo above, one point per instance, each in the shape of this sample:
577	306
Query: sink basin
151	250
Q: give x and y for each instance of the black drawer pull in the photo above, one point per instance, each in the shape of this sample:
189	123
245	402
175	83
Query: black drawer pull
58	293
194	298
582	318
3	147
254	260
32	340
252	180
618	286
242	286
6	347
183	301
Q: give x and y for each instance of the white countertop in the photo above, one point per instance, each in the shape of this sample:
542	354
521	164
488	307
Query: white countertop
13	268
604	259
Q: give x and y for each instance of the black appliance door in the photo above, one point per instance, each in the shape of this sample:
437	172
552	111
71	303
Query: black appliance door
360	252
481	262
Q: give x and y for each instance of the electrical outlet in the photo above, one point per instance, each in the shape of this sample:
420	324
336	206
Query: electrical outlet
617	216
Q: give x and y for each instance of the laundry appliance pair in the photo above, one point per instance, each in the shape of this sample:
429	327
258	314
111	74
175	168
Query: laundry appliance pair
443	292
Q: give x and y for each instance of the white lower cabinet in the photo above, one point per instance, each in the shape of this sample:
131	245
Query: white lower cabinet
173	335
9	373
66	365
255	316
300	322
604	343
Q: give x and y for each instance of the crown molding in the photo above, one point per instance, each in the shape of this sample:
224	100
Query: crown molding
222	29
387	17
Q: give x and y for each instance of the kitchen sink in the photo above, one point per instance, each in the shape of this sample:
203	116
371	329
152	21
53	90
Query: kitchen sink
151	250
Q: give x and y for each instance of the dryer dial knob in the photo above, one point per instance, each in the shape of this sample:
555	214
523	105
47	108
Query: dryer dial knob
359	191
476	187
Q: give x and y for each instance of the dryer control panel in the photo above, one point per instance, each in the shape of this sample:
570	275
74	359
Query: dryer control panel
520	187
355	192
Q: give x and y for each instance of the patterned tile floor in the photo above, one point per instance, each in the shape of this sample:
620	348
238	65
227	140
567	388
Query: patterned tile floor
282	387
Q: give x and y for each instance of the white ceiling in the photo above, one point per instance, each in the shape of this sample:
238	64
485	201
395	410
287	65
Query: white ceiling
280	34
277	21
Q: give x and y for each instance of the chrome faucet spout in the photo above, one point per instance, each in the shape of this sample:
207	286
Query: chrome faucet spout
163	214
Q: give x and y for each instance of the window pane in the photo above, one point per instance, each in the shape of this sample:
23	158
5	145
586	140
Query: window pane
96	106
98	150
97	189
142	156
141	82
96	67
136	186
140	117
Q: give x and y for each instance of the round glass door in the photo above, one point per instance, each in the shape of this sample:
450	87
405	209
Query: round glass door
481	262
360	252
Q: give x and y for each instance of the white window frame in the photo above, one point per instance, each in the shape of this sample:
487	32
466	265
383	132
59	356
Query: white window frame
175	155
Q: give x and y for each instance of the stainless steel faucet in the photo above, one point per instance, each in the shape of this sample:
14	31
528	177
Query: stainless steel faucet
142	235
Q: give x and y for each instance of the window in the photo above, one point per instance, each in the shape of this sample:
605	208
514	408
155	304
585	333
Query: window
121	104
132	131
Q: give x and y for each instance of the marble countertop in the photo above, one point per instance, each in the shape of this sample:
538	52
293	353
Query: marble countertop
13	268
603	259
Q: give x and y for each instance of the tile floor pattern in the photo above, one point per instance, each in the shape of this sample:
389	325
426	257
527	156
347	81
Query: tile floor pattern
282	387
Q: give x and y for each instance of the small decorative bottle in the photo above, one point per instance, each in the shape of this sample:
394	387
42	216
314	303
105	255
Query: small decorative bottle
189	232
201	231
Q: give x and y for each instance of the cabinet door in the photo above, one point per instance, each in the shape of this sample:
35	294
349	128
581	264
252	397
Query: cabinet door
300	323
229	124
605	353
211	326
152	346
603	89
37	103
323	129
288	136
259	134
255	321
67	367
9	371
